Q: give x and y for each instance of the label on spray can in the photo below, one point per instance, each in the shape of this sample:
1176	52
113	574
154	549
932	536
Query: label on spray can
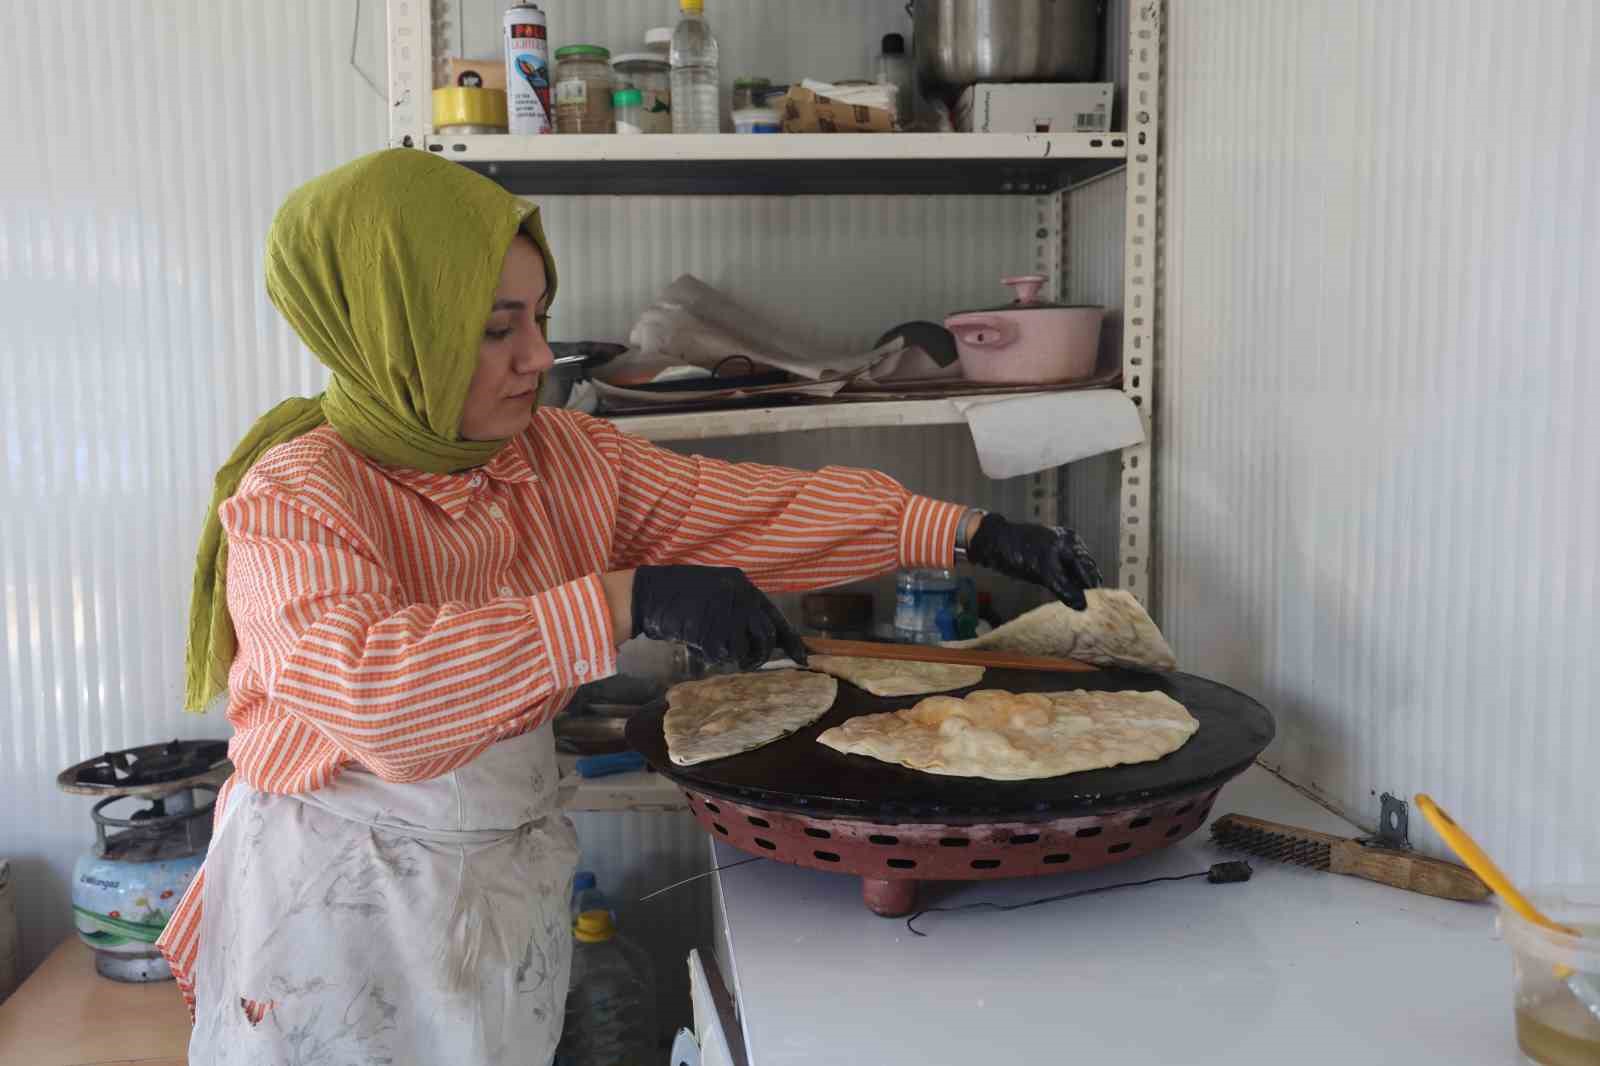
527	70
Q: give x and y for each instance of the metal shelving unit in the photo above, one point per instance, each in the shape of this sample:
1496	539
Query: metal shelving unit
787	165
1044	166
739	422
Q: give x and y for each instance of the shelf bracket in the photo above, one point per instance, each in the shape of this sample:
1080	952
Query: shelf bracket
1140	285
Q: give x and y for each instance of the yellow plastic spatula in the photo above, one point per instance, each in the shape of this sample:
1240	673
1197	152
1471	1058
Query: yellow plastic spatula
1583	987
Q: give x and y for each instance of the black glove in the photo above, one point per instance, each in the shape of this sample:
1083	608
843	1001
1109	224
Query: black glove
1045	555
713	609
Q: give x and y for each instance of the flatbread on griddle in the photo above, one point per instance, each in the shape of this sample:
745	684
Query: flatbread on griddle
1114	630
1004	736
721	716
890	677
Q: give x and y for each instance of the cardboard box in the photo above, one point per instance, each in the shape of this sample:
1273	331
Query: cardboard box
1036	107
806	112
477	73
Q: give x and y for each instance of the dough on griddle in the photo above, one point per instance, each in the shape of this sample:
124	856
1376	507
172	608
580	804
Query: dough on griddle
721	716
1114	630
890	677
1006	736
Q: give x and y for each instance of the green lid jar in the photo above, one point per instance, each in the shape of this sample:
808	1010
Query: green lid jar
582	89
747	92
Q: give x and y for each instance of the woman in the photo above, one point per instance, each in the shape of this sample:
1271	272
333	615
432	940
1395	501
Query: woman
402	580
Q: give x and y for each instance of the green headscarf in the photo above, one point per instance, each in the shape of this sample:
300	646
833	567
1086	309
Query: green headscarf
386	268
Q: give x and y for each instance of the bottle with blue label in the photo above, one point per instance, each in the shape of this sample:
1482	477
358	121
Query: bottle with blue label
586	895
926	605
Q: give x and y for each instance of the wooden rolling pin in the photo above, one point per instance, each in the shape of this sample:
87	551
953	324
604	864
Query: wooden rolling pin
930	653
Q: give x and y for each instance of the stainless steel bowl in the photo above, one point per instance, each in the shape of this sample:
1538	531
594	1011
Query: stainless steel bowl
959	42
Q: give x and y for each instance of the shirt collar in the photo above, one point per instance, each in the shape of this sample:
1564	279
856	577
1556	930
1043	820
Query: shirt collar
452	493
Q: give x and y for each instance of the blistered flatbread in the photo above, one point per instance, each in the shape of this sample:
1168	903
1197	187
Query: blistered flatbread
1006	736
1114	630
721	716
889	677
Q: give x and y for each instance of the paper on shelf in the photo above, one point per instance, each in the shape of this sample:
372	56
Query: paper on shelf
1019	435
702	325
862	109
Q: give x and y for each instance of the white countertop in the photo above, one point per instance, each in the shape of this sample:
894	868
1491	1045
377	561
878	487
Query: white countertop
1293	966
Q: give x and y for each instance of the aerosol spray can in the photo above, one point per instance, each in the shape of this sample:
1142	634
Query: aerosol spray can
527	69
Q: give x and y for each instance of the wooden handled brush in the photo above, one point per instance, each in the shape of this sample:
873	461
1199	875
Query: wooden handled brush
1344	855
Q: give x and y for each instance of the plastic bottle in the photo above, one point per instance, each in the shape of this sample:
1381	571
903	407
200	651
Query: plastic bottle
696	86
925	606
611	1015
586	896
894	68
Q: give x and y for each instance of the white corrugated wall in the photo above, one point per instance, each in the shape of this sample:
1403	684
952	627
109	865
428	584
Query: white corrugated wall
1378	477
135	194
139	344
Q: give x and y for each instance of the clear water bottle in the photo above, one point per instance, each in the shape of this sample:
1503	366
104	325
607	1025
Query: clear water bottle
696	87
611	1008
894	68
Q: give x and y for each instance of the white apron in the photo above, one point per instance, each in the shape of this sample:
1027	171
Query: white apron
420	923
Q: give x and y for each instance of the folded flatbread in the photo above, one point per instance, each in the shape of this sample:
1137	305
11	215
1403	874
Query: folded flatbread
889	677
1114	630
1005	736
721	716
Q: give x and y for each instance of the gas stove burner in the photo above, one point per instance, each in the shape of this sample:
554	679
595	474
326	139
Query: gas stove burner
125	887
799	802
148	770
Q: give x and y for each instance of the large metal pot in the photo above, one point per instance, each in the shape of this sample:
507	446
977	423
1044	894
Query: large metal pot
959	42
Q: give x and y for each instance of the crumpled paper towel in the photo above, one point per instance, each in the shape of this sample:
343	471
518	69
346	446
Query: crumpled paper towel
1017	435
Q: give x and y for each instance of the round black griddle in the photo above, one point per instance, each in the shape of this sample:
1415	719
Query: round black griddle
798	774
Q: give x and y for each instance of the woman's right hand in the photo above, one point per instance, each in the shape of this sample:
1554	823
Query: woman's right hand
713	609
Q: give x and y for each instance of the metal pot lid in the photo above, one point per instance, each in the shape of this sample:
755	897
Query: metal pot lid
649	61
1026	287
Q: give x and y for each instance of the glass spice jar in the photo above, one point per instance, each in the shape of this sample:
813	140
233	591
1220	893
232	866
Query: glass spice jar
583	89
749	92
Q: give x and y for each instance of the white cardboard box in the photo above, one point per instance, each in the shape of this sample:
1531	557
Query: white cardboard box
1035	107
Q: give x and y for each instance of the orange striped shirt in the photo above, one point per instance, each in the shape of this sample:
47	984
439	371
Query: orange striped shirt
405	621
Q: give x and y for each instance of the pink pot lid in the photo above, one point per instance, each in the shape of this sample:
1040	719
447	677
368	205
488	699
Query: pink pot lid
1026	287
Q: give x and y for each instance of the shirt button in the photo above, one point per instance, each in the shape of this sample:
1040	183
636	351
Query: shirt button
495	512
581	667
507	590
476	480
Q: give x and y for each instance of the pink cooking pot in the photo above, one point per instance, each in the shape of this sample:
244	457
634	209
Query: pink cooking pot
1030	341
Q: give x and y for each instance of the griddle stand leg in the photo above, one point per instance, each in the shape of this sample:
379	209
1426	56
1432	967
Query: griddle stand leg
889	899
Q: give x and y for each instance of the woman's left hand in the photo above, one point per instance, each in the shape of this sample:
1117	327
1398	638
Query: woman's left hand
1050	556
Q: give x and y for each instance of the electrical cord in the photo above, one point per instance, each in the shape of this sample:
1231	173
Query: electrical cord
1220	873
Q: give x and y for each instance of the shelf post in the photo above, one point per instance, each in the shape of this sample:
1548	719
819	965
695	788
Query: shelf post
410	46
1141	275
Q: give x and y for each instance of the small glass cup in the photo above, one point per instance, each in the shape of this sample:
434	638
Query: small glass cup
1554	1026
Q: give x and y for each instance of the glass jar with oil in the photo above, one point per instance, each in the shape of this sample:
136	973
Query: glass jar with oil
1556	977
